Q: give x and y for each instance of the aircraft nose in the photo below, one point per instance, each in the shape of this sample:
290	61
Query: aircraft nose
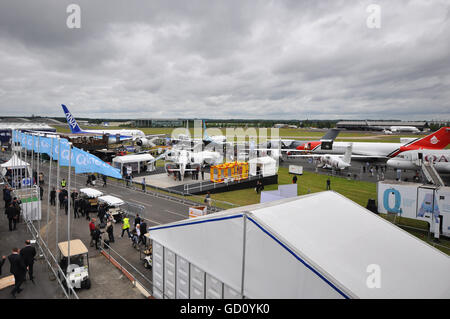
392	163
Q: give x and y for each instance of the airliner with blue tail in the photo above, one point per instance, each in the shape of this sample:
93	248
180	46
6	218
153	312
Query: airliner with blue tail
115	136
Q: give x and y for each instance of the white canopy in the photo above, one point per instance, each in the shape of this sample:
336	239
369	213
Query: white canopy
134	162
133	158
111	200
267	165
320	245
91	192
15	162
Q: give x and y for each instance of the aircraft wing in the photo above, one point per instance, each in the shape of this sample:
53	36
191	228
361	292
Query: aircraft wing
331	134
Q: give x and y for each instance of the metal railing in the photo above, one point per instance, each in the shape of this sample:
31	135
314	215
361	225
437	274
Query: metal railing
146	288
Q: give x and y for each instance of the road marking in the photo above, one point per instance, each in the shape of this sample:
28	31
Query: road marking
134	201
176	213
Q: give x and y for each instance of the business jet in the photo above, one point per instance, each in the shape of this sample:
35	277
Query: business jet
115	136
411	160
331	160
383	151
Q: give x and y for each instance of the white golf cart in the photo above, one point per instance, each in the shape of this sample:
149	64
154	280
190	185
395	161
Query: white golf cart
92	195
113	204
77	272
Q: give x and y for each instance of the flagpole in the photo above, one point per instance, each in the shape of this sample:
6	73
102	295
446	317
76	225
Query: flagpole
48	195
38	182
68	207
57	197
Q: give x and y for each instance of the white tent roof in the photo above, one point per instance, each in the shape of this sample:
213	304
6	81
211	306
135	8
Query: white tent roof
15	162
262	160
91	192
133	158
111	200
334	238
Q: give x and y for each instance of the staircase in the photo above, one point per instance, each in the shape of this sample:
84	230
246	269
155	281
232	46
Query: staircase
431	174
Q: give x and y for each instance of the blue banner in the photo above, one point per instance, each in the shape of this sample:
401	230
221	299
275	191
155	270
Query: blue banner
45	145
88	163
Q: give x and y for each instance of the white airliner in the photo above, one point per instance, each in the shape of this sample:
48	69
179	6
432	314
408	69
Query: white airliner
411	160
409	129
115	136
383	151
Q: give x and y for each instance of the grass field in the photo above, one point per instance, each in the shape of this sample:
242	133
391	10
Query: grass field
357	191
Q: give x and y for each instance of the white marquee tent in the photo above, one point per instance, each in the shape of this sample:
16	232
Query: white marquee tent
134	161
15	163
267	165
319	245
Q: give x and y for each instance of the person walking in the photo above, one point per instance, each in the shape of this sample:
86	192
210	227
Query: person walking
63	183
91	231
101	213
104	178
76	208
7	196
86	208
208	199
96	236
28	253
328	184
66	204
294	179
125	226
137	220
110	231
41	191
53	197
12	214
143	232
18	269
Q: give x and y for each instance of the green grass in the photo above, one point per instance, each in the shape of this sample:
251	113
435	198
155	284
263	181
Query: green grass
357	191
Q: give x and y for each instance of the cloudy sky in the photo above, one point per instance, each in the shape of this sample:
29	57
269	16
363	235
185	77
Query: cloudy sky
226	59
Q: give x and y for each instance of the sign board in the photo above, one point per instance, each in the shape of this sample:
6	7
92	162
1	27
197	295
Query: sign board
197	211
296	169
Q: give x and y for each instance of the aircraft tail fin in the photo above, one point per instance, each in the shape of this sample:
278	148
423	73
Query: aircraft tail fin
331	134
348	154
205	134
437	140
74	127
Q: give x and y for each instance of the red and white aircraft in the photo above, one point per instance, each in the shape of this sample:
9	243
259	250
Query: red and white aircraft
361	150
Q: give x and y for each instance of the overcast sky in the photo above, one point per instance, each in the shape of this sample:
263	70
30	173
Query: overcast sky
226	59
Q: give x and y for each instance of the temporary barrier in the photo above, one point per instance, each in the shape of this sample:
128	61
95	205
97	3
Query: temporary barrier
233	171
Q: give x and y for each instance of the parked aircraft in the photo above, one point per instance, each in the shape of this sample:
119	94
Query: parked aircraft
115	136
367	151
409	129
411	160
331	160
184	160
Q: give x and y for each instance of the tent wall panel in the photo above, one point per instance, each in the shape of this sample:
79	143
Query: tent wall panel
220	242
230	293
197	286
169	274
214	288
158	270
182	278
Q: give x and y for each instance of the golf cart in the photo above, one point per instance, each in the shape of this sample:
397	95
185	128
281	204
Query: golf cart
113	204
91	194
77	273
